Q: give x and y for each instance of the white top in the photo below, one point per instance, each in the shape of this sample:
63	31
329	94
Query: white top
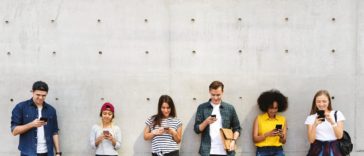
41	141
162	144
105	147
325	131
217	146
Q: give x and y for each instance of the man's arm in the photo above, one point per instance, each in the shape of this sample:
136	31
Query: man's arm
17	122
56	143
235	124
200	122
20	129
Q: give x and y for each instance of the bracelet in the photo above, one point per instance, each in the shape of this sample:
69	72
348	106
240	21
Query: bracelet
60	153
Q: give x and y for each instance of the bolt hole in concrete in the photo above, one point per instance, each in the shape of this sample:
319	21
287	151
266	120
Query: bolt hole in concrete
8	53
146	52
333	50
100	52
11	100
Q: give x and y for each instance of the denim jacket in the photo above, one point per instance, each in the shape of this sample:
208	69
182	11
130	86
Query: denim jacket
24	113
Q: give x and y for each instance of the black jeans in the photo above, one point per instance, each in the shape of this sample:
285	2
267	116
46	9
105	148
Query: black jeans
173	153
42	154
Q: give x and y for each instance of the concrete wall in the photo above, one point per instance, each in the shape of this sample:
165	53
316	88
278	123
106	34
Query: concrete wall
131	52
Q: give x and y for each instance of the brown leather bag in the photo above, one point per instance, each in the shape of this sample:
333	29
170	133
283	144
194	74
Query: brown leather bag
227	136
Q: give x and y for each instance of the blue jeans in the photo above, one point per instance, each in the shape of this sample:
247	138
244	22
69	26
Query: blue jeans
270	151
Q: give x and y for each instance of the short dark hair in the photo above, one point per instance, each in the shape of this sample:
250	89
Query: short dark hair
216	85
266	99
40	85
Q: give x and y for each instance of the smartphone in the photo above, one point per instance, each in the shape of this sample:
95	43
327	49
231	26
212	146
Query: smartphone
213	115
43	119
278	126
166	128
106	133
321	114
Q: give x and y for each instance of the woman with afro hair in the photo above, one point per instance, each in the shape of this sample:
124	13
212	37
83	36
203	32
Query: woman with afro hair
270	128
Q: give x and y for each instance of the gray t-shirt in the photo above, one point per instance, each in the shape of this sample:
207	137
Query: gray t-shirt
105	147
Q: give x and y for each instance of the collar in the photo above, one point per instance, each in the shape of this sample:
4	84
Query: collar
34	105
221	104
266	117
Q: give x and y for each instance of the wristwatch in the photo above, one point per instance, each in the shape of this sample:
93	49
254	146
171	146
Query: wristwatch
60	153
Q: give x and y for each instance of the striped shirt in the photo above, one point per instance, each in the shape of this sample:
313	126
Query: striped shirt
162	144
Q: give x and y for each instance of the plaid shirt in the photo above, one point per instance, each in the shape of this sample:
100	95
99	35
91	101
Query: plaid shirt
229	120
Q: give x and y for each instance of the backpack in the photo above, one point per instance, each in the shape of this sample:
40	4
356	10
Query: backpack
344	143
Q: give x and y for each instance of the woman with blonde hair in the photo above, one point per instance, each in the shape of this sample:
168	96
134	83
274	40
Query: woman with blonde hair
322	128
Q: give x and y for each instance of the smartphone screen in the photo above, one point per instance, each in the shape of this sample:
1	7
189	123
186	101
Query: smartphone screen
321	114
43	119
213	115
278	126
106	133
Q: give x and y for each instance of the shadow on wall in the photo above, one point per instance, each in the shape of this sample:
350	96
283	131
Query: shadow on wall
142	147
190	140
245	142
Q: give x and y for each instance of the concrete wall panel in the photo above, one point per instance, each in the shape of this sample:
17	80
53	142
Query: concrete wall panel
131	52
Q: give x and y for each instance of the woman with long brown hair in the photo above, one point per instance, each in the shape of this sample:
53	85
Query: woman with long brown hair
164	129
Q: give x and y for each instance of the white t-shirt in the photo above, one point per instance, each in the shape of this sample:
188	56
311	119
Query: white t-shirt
324	131
217	146
41	142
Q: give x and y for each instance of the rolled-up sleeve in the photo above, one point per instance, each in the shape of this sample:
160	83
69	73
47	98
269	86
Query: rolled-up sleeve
198	120
118	139
235	121
16	117
93	137
55	126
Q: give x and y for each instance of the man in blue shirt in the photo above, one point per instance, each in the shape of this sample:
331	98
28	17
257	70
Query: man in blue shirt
36	123
213	115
